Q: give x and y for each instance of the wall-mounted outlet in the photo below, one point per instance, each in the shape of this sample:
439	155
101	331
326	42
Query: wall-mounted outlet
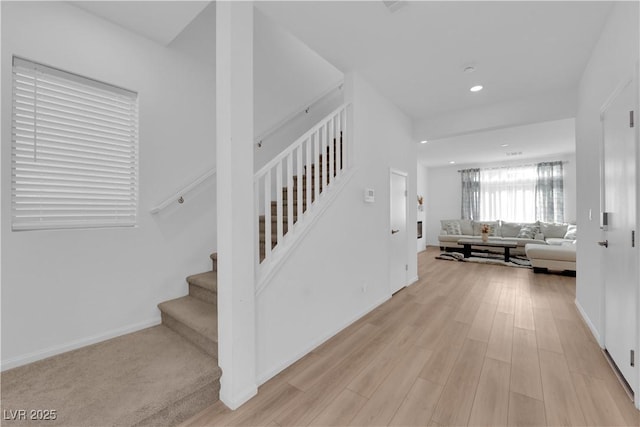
364	287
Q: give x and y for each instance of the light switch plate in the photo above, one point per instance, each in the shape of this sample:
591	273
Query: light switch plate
369	195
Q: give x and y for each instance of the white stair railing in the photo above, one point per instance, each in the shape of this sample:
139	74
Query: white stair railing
288	188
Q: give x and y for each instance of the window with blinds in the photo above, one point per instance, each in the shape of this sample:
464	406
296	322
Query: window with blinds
74	150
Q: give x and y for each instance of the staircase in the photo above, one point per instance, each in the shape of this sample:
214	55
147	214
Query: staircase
167	373
290	188
335	168
157	376
195	316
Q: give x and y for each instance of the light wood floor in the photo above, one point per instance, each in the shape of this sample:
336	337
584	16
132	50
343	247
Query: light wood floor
469	344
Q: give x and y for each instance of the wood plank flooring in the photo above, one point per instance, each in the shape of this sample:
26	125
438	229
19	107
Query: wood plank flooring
468	344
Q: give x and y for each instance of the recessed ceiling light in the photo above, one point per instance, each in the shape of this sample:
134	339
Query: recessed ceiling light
452	162
504	145
424	142
469	69
477	88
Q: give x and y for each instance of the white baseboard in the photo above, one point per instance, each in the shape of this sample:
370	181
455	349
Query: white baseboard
73	345
412	281
592	328
234	402
264	377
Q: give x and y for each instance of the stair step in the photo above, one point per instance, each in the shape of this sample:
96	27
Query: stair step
274	225
285	205
285	219
152	377
195	320
214	260
204	286
274	238
304	184
285	192
302	177
285	202
274	229
313	169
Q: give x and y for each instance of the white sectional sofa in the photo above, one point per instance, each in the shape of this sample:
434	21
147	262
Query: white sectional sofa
547	257
523	233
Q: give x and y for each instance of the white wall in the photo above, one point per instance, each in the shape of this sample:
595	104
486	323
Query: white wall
67	288
422	189
613	60
198	39
287	76
542	139
319	289
444	192
276	142
540	108
442	200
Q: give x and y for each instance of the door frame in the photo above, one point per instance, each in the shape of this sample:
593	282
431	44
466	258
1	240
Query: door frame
633	80
405	175
636	91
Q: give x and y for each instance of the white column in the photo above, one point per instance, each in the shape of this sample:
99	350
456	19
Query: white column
236	224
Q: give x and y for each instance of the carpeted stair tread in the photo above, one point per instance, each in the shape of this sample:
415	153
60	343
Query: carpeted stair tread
198	315
207	280
150	377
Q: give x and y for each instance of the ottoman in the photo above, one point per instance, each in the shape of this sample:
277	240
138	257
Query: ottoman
552	257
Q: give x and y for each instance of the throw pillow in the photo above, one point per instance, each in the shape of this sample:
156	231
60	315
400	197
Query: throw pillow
571	232
553	230
453	228
528	231
466	227
444	222
510	229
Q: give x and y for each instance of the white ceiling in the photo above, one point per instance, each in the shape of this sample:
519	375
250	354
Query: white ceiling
532	141
160	21
416	55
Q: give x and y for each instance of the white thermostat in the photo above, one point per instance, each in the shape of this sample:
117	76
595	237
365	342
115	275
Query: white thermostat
369	195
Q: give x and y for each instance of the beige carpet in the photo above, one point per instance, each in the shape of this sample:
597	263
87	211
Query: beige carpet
152	377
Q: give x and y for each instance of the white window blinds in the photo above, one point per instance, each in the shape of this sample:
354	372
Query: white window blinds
74	150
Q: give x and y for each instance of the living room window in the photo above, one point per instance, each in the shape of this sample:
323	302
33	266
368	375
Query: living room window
74	151
508	193
525	193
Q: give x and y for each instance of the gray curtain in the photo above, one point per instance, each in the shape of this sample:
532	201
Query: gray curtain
470	193
550	192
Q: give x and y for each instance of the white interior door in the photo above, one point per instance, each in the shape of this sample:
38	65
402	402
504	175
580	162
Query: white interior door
620	255
398	233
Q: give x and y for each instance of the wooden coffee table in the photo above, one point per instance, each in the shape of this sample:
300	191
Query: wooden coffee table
507	245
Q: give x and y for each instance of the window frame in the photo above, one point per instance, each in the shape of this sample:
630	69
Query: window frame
84	138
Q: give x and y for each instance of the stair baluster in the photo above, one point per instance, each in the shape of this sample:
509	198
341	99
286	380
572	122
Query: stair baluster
303	172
